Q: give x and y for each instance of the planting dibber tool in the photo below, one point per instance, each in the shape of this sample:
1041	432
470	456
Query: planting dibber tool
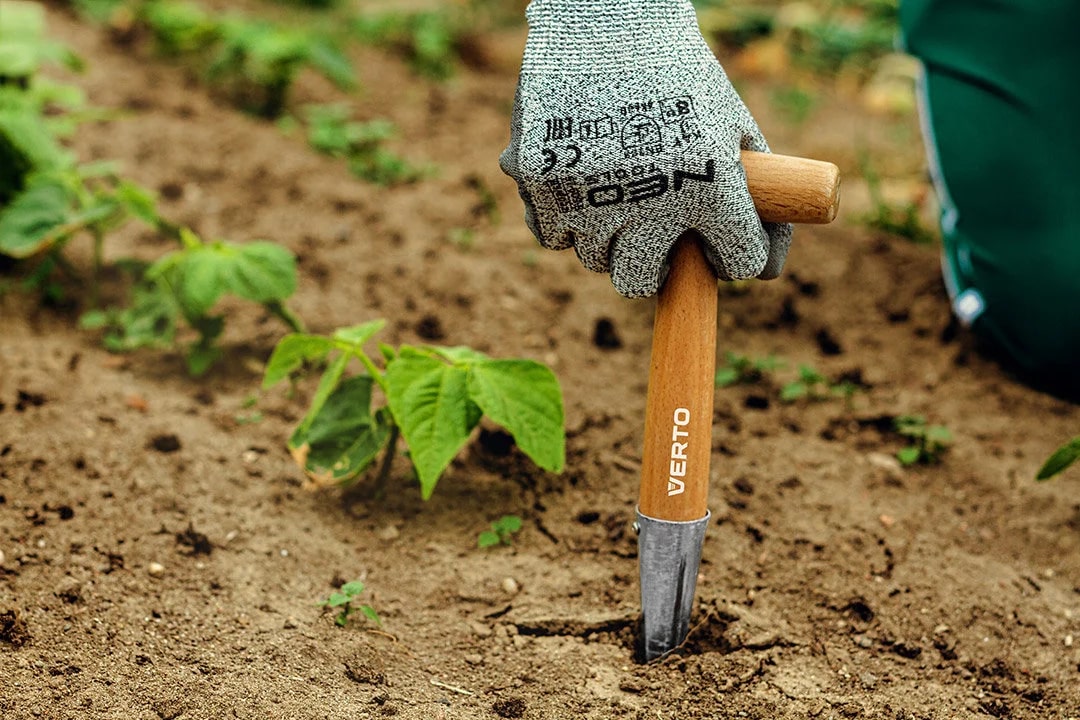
672	511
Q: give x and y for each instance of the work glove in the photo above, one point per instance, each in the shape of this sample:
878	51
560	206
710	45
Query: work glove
626	133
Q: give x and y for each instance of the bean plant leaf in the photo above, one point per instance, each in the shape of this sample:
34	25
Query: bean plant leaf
291	352
359	334
34	218
337	600
352	589
261	272
488	538
524	397
1062	458
328	383
430	403
344	438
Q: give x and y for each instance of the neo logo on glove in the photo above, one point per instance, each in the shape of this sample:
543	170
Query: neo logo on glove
648	187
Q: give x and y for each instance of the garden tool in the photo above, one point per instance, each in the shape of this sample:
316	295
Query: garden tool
672	513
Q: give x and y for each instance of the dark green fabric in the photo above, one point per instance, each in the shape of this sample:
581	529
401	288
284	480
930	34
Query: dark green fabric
1003	90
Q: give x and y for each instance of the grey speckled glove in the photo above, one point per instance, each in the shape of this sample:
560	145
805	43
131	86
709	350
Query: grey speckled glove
626	133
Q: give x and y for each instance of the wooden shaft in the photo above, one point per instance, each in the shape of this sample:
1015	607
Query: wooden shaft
679	406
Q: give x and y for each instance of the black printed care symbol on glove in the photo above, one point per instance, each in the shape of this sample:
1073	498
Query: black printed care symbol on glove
641	137
551	158
677	109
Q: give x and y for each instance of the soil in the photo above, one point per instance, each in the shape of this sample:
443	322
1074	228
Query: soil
160	556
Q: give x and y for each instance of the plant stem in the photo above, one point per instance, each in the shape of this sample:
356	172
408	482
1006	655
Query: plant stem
387	461
287	316
95	280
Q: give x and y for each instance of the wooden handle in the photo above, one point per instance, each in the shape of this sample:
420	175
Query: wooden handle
790	189
679	406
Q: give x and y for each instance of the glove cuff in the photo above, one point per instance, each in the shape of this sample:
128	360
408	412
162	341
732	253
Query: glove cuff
592	36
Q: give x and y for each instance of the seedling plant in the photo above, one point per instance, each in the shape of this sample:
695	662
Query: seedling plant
928	442
813	385
434	398
187	284
47	199
743	370
343	601
331	131
501	532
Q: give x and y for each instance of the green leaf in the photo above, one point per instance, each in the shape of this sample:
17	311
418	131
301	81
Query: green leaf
337	600
370	614
359	334
909	455
327	384
198	280
261	271
93	320
1062	458
460	355
344	438
793	391
430	403
352	589
726	376
26	133
139	202
201	357
488	538
35	219
291	352
509	523
524	397
938	435
332	63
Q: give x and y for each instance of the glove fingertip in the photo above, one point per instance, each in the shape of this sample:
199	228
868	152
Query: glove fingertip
779	243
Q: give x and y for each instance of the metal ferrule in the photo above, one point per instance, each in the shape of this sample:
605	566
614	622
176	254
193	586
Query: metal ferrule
668	558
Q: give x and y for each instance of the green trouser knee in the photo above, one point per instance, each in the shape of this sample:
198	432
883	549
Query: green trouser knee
1001	115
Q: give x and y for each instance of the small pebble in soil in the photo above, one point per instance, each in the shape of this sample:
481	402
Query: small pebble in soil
2	557
509	708
1068	640
474	659
510	586
291	623
388	533
165	443
155	569
605	336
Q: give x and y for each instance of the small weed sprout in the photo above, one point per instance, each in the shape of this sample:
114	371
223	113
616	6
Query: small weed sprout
928	442
361	144
501	532
741	369
1060	461
344	599
815	386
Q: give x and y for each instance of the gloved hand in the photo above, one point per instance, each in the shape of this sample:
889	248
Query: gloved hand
626	133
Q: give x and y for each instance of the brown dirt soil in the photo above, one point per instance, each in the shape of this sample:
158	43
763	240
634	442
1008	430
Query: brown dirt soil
834	584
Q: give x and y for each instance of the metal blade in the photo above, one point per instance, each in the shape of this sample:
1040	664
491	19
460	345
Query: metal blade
668	557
